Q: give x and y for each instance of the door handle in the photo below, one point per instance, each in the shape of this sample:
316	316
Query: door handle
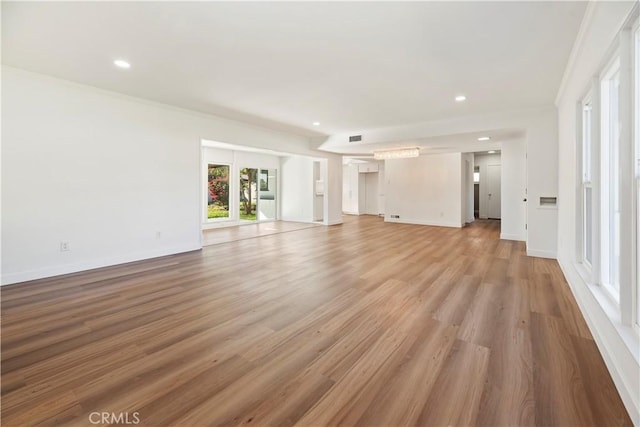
524	200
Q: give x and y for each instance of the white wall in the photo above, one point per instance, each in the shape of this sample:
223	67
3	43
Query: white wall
618	343
332	175
350	189
425	190
542	181
381	188
106	172
467	188
318	199
483	161
541	129
513	184
297	188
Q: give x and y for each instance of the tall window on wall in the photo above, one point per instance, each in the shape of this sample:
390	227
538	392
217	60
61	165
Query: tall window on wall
587	191
610	180
217	191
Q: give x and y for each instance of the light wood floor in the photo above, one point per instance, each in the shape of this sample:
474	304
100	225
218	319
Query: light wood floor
215	236
365	323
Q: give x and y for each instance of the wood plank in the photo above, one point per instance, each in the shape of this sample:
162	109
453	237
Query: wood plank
458	389
560	394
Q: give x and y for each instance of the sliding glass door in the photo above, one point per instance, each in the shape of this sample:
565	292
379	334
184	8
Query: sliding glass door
257	201
267	195
256	194
218	191
248	194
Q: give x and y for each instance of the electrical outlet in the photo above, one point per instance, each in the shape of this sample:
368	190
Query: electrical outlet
395	216
64	247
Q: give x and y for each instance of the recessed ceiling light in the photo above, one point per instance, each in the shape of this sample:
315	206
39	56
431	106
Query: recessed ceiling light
491	152
461	98
121	63
316	123
484	138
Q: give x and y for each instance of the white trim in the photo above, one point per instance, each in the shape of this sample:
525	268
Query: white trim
541	254
517	237
575	50
619	345
23	276
434	223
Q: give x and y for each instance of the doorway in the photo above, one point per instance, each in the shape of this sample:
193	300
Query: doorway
257	197
267	184
371	193
476	192
487	183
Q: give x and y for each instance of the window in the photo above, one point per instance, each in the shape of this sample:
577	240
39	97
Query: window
607	209
217	191
587	189
610	180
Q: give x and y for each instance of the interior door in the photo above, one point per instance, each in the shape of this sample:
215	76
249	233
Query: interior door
493	191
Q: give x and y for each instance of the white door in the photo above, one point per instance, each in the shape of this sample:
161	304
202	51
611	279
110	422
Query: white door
371	203
493	191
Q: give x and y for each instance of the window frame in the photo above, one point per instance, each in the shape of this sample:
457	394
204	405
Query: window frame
586	182
635	124
609	156
206	218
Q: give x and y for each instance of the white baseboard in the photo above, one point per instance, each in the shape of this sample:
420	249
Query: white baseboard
435	223
506	236
58	270
616	342
541	254
335	222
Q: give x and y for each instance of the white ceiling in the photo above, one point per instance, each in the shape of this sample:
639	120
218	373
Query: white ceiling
453	143
351	66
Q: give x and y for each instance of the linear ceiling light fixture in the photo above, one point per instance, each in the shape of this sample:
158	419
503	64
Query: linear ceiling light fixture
400	153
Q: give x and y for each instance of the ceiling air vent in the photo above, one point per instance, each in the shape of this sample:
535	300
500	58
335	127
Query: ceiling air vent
355	138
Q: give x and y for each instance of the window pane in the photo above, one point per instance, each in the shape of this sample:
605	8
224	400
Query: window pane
588	227
614	177
268	200
610	181
218	186
248	194
586	142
